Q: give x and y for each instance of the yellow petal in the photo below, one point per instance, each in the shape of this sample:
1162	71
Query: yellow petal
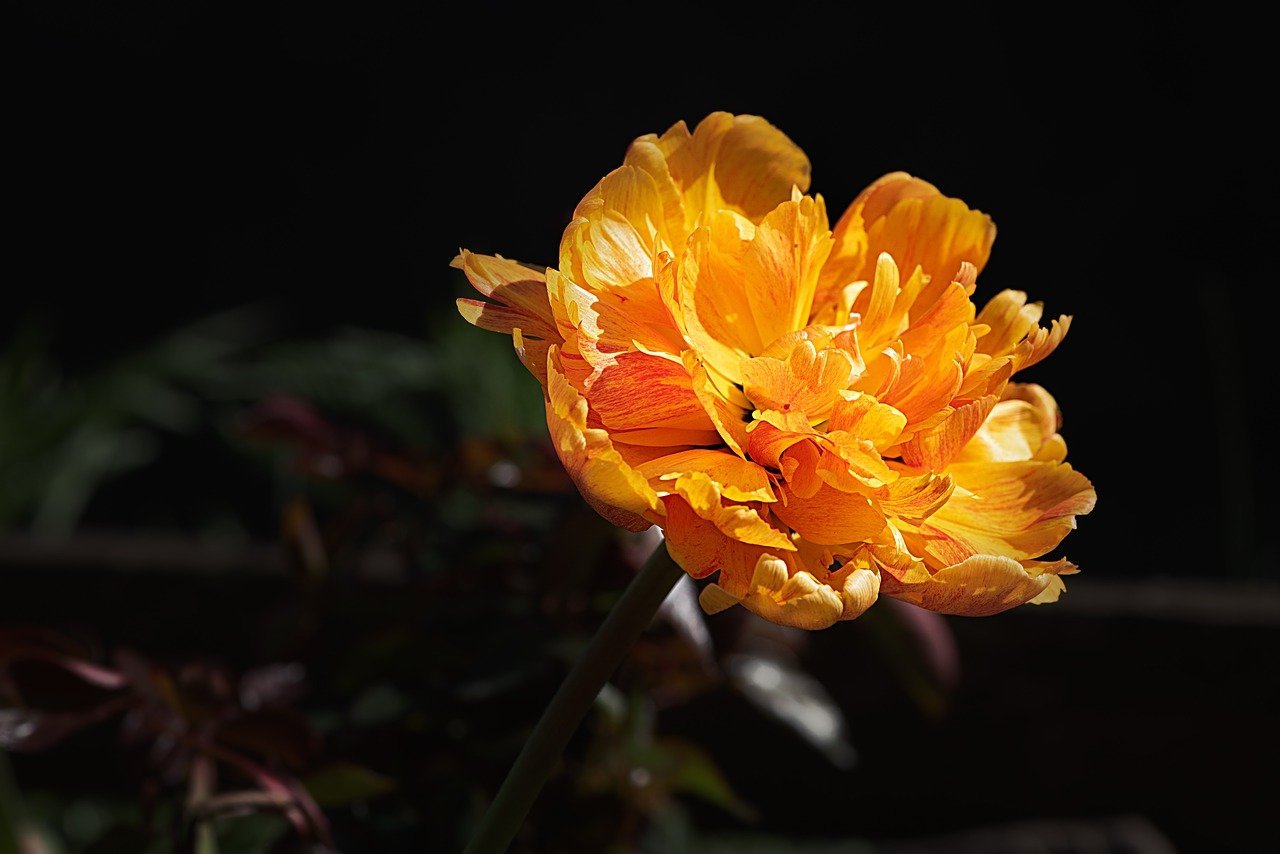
520	292
980	586
858	589
617	231
740	163
1038	397
1019	510
1011	433
780	270
797	600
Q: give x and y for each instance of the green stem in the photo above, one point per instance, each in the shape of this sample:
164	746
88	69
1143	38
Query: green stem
610	645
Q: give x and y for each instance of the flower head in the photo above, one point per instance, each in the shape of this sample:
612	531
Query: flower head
819	415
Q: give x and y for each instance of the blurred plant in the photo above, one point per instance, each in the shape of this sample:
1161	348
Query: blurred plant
234	746
64	436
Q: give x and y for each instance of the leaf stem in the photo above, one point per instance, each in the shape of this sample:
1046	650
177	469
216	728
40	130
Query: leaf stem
610	645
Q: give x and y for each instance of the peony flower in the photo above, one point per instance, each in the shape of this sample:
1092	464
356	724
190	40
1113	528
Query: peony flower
816	416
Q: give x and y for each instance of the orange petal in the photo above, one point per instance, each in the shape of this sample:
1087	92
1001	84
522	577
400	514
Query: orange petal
938	234
807	381
726	416
982	585
533	354
739	479
613	488
849	258
937	446
867	418
738	521
915	498
1008	318
642	391
702	549
619	320
716	320
831	516
1014	330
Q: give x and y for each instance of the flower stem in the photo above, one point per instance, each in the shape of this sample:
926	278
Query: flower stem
614	638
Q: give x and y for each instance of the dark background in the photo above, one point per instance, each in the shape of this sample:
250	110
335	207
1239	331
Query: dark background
324	165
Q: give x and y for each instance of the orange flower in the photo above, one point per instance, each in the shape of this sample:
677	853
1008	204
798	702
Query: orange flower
819	415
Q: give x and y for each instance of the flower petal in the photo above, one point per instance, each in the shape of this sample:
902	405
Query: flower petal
738	521
912	221
807	381
638	390
982	585
934	448
797	600
609	484
831	517
780	270
739	479
1019	510
520	292
739	163
702	549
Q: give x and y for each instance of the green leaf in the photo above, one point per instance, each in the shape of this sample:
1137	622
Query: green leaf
345	783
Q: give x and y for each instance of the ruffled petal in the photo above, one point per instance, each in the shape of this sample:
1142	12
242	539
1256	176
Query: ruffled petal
702	549
797	600
609	484
982	585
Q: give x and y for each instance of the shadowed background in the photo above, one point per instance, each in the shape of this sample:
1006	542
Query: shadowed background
242	424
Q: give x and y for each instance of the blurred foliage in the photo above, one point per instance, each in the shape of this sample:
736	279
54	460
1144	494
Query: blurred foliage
369	689
63	437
